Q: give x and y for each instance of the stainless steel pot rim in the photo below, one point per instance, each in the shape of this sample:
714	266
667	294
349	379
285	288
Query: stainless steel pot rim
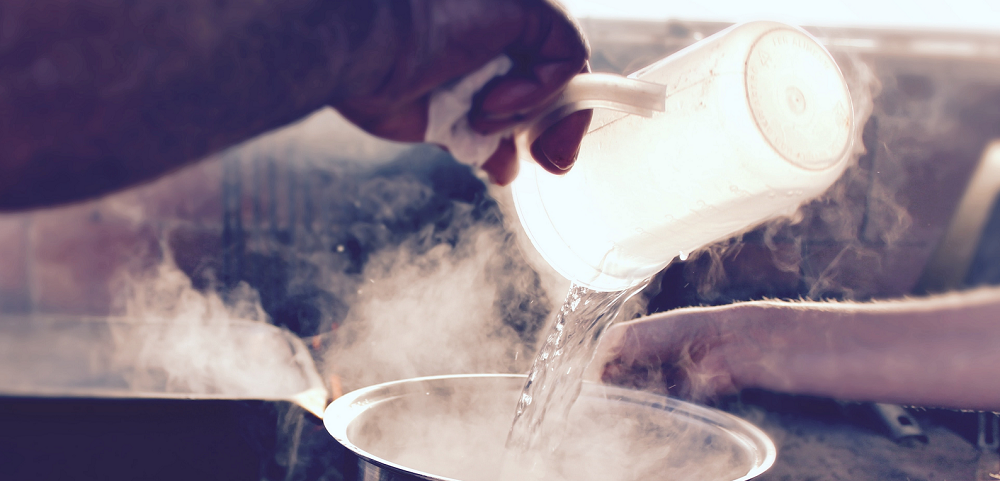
344	410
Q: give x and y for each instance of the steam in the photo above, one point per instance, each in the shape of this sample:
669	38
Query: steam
859	213
173	340
449	293
401	280
882	220
455	428
430	308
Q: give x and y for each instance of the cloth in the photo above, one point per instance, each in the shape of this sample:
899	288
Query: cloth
448	120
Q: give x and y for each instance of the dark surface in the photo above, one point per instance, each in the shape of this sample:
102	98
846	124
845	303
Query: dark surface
127	439
820	439
131	439
42	439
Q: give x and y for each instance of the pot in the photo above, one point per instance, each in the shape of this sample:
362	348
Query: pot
454	428
59	357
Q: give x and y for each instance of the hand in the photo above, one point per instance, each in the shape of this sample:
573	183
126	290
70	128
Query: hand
685	353
445	39
189	78
920	351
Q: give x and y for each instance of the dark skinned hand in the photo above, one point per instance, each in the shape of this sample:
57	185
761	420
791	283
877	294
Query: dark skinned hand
446	39
98	96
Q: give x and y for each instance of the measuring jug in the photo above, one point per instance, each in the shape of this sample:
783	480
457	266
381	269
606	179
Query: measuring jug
737	129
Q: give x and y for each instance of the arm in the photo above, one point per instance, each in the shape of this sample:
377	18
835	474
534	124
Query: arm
97	95
937	351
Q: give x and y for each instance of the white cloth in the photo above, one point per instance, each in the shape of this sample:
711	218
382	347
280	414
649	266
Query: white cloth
448	119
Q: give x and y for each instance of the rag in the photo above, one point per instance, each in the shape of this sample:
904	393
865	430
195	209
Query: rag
448	116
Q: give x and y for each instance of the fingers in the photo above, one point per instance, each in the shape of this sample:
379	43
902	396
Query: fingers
502	165
652	337
549	52
682	355
644	377
624	362
557	148
547	56
437	42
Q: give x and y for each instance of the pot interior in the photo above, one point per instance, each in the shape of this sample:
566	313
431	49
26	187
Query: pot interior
454	427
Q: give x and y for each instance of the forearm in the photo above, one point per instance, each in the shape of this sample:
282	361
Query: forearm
940	351
98	95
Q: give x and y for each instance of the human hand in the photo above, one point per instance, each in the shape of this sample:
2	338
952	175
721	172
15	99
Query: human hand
439	41
912	351
686	353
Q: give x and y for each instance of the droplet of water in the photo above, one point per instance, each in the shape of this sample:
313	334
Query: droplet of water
683	256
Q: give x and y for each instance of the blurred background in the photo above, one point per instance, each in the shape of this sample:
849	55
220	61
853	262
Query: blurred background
383	261
978	15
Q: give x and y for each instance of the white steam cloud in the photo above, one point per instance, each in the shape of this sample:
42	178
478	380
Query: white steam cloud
173	340
855	221
440	310
456	427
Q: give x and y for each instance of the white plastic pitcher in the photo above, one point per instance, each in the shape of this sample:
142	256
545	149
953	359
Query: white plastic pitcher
737	129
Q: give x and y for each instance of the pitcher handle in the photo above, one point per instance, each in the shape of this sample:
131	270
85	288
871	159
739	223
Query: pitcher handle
596	90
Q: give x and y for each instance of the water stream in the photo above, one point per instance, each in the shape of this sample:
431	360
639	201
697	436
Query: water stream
556	377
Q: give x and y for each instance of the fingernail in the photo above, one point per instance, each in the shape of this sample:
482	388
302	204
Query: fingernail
562	163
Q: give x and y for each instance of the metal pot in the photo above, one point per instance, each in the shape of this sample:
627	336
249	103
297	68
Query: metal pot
454	428
121	358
